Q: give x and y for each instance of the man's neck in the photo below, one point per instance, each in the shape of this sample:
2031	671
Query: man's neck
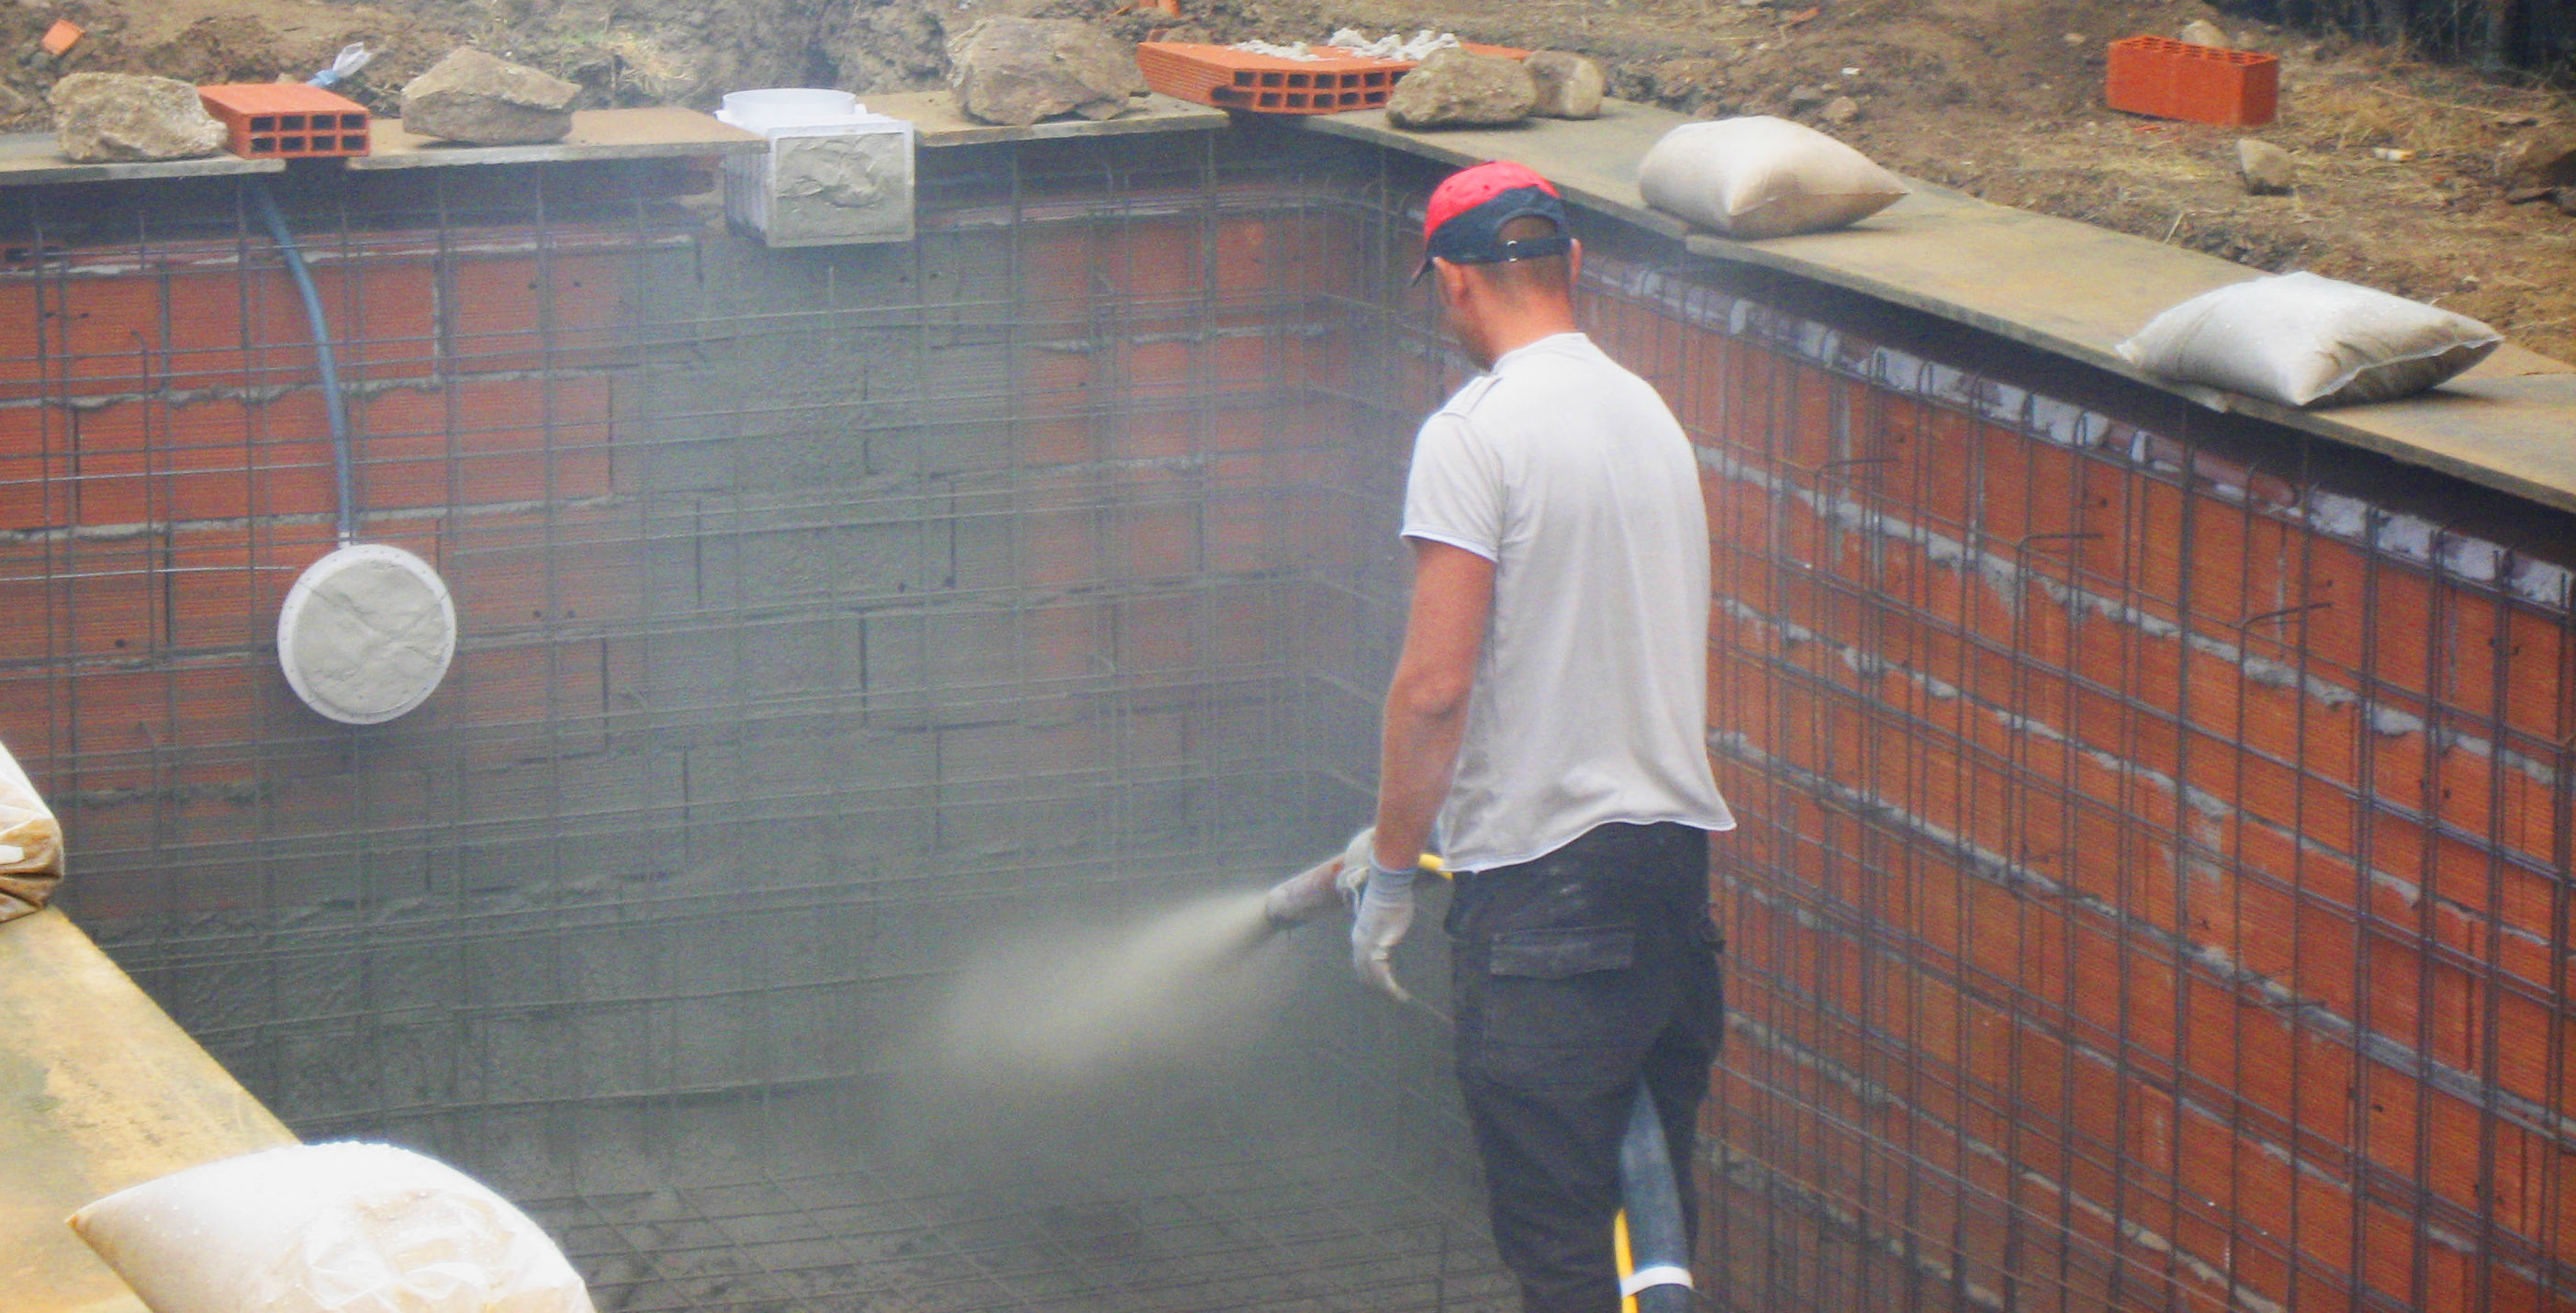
1520	331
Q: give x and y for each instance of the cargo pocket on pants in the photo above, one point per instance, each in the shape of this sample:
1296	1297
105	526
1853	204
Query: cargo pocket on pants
1558	1007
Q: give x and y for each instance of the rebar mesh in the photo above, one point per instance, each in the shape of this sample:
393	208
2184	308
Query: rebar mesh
822	614
2152	890
2154	883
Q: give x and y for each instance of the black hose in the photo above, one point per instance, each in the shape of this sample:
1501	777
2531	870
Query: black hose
1658	1250
345	519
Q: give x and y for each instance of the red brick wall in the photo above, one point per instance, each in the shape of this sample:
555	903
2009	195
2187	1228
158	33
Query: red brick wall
166	470
2152	889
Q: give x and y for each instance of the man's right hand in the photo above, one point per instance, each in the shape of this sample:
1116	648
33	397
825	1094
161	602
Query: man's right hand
1385	914
1355	866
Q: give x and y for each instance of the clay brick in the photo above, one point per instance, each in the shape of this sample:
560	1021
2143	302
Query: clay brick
82	600
2166	78
223	585
526	701
551	571
1287	253
1151	369
2027	497
520	313
124	720
1924	478
139	462
106	335
189	331
1144	260
1153	541
483	441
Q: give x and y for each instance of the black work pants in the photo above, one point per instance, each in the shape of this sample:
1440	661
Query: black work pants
1578	976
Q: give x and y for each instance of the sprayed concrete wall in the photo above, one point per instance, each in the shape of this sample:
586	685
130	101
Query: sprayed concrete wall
823	613
2152	890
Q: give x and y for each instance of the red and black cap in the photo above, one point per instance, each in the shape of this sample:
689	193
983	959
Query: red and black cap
1463	223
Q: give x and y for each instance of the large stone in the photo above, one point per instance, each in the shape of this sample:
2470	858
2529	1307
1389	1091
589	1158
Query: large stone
2538	163
108	117
1016	71
2201	32
487	101
2268	170
1457	88
1569	85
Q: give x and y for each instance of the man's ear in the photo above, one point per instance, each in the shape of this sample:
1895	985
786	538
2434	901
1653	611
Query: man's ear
1573	263
1452	279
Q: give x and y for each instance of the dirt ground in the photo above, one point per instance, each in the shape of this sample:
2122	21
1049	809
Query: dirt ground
2001	98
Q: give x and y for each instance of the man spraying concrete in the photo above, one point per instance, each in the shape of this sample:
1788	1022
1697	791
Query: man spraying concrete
1547	713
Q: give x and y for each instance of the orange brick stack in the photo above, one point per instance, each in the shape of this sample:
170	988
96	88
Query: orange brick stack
1270	84
287	120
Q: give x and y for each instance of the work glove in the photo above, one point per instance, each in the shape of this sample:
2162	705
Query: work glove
1357	856
1385	913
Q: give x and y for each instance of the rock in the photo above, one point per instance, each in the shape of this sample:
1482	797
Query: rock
2538	162
1016	71
1840	109
107	117
2565	199
1455	88
2201	32
488	101
1569	85
2268	169
1805	99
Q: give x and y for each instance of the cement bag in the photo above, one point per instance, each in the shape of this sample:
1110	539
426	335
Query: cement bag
328	1228
1751	178
31	844
2302	340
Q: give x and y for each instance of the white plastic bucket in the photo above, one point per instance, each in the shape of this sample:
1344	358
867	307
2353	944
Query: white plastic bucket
789	107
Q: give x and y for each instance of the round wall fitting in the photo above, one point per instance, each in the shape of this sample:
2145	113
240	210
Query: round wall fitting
366	633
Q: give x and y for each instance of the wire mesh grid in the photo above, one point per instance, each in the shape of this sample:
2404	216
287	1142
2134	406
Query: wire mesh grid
1270	1232
823	613
2152	890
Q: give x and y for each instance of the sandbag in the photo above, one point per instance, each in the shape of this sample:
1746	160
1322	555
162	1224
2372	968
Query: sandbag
1751	178
31	844
329	1228
2302	340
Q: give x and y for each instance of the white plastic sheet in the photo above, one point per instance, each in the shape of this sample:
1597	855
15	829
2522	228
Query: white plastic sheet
329	1228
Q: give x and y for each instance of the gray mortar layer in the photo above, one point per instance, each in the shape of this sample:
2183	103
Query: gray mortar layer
719	880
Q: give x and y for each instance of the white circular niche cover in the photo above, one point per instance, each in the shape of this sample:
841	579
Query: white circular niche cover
366	633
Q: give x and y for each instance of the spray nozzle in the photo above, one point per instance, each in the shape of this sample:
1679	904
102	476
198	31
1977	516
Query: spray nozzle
1300	897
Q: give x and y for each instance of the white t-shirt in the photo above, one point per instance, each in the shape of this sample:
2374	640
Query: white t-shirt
1591	695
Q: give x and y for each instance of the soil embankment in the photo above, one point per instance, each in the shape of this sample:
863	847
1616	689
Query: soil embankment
2398	159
